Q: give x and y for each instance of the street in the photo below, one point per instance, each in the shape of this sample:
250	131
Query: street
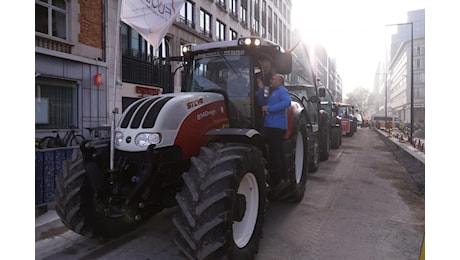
360	204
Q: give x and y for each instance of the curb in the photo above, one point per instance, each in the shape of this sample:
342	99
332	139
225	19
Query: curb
405	145
46	218
409	158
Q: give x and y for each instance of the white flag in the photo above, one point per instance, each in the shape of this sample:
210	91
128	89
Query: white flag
150	18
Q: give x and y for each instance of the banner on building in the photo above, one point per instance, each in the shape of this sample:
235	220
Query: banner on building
150	18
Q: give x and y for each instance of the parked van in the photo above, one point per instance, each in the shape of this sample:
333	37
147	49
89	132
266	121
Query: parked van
378	121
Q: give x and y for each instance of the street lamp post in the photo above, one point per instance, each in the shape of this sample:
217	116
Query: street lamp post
386	96
386	100
411	77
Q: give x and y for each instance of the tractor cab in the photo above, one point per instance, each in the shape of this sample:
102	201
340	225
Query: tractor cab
230	68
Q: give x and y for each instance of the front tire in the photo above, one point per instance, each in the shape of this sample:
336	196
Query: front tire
76	206
222	204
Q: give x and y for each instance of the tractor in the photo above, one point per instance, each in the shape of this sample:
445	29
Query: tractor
349	121
199	150
329	106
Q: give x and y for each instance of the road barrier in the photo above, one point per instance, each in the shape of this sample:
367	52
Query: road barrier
418	143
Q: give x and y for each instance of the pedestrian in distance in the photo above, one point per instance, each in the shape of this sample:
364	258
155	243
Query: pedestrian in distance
274	107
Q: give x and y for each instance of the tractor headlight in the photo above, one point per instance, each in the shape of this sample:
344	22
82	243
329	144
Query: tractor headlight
146	139
118	138
250	42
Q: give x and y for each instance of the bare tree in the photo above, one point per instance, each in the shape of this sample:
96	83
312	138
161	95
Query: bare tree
364	101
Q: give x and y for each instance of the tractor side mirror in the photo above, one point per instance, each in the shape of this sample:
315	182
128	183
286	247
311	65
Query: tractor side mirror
322	92
284	63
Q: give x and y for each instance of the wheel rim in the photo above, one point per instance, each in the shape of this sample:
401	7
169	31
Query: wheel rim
299	158
243	230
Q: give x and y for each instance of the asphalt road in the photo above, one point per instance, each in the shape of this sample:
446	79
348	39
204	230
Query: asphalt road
361	204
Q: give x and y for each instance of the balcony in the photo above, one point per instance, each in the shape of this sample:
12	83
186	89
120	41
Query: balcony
187	22
139	68
206	33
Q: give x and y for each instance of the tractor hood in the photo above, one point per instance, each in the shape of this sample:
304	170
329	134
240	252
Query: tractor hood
169	119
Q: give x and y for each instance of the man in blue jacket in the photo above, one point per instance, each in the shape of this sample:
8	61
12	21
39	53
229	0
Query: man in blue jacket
274	106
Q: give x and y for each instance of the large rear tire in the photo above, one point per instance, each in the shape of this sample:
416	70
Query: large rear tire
297	162
325	145
222	204
313	150
336	133
76	206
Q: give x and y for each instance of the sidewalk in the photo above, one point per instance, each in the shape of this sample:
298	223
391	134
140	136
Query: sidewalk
49	216
411	158
48	224
404	144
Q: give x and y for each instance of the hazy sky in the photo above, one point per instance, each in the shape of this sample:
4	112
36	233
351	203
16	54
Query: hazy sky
354	32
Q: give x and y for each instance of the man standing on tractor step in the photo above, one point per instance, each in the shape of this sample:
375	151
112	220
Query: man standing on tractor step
274	106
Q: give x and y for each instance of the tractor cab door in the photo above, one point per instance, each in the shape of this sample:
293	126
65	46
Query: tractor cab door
228	74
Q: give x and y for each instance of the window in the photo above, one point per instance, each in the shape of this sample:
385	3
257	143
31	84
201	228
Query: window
255	26
269	24
140	59
256	18
233	8
270	19
134	45
221	3
420	49
186	14
244	12
419	78
419	63
56	104
419	92
51	18
220	31
231	73
233	34
205	23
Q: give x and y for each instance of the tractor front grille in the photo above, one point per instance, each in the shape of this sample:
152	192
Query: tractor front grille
144	112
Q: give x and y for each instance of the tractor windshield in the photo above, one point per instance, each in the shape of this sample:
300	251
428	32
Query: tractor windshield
228	74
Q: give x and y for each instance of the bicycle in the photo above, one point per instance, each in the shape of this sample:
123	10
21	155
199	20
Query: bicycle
70	139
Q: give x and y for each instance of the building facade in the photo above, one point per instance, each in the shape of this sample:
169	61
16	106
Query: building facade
87	72
199	22
394	80
326	71
89	66
71	65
